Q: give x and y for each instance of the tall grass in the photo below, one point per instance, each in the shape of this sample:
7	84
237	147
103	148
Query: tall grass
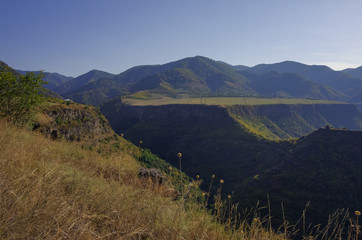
56	190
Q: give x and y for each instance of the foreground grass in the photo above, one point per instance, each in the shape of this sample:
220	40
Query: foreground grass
54	190
222	101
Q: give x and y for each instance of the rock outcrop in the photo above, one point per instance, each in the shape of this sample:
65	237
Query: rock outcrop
72	122
153	174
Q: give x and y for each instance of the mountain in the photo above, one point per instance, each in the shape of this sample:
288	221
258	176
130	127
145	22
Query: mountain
355	72
274	84
357	98
195	76
236	67
135	74
338	80
82	80
95	92
240	68
4	66
45	91
53	79
200	76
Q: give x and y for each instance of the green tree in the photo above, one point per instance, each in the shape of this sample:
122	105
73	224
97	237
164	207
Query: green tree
19	95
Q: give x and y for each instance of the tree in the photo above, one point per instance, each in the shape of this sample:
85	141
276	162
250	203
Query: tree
19	95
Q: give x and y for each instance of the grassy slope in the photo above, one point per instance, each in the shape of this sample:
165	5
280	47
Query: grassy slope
53	190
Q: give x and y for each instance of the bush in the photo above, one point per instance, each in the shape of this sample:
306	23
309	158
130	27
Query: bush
19	95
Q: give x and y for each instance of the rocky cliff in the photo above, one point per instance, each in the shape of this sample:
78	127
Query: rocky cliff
286	121
72	122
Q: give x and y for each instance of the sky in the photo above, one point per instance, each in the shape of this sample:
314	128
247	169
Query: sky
72	37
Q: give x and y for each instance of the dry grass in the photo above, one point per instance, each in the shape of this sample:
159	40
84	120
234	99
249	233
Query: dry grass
56	190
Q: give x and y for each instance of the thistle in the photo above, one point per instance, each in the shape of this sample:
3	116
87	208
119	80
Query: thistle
208	193
357	213
181	178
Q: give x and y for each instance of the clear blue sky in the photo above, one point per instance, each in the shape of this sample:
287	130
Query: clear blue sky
74	36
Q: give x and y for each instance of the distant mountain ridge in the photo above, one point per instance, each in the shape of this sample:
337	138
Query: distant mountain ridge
338	80
275	84
196	76
82	80
201	77
53	79
355	72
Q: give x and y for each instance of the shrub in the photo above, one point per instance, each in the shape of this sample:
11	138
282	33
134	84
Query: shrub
19	95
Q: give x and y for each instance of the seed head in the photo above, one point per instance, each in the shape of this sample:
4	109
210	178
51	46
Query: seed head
221	181
122	134
141	142
179	155
170	168
197	176
203	194
213	176
229	196
357	213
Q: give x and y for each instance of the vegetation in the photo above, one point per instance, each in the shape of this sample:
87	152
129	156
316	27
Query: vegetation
242	151
156	100
338	80
53	79
203	77
19	95
275	84
89	188
59	190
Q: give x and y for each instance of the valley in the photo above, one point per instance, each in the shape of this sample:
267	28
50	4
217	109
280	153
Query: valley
281	133
250	145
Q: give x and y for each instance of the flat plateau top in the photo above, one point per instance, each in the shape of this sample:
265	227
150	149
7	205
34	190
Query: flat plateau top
223	101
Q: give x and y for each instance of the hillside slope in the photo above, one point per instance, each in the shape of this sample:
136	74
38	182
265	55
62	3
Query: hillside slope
53	79
90	189
82	80
338	80
274	84
196	76
323	168
286	121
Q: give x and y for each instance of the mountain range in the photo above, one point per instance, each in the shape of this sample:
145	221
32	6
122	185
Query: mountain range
53	79
275	150
201	76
